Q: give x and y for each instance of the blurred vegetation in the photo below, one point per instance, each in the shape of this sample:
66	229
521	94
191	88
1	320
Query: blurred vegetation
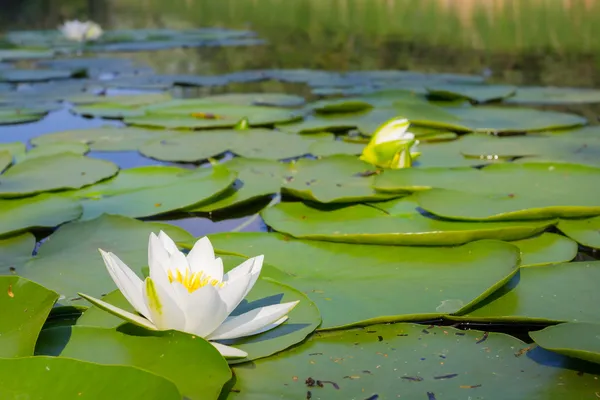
547	42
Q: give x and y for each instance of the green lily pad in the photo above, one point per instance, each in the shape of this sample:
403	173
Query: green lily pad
33	75
555	95
19	116
44	210
25	307
16	149
53	149
438	280
69	262
257	99
25	54
104	138
55	172
547	248
583	231
579	340
368	225
553	293
340	106
447	154
16	251
68	379
423	113
178	122
255	179
193	364
412	361
499	192
6	159
124	101
336	179
152	190
474	93
328	148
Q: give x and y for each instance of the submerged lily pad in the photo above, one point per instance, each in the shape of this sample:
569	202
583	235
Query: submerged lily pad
152	190
104	138
583	231
68	269
255	179
55	172
438	280
25	307
336	179
368	225
193	364
65	378
44	210
547	248
553	293
579	340
500	192
412	361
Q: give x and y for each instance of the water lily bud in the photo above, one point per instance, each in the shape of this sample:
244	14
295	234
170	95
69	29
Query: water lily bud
391	146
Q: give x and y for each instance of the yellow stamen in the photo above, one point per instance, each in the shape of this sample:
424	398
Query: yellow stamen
193	281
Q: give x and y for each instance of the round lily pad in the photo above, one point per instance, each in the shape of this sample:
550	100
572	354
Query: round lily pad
53	149
474	93
44	210
573	339
193	364
416	362
258	99
64	378
25	306
364	224
25	54
19	116
549	294
438	280
16	251
33	75
544	249
55	172
555	95
583	231
6	160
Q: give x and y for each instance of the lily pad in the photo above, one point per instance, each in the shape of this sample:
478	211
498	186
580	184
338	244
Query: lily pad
25	307
547	248
549	294
474	93
55	172
19	116
16	251
193	364
25	54
413	361
44	210
555	95
68	379
258	99
6	159
368	225
33	75
255	179
438	280
152	190
104	138
583	231
579	340
336	179
53	149
500	192
380	361
67	268
340	106
328	148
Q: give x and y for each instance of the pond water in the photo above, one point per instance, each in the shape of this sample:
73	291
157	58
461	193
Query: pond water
256	125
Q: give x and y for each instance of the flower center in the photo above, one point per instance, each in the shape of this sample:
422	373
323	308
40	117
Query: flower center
193	281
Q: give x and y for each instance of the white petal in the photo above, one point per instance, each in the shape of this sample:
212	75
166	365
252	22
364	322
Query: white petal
228	351
202	258
126	315
127	281
252	321
204	311
234	292
270	326
252	266
163	308
179	262
167	243
158	257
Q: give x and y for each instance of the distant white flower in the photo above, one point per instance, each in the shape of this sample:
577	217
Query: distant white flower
81	31
191	294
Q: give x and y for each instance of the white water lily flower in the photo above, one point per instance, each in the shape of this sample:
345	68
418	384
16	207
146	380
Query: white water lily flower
81	31
391	146
191	294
